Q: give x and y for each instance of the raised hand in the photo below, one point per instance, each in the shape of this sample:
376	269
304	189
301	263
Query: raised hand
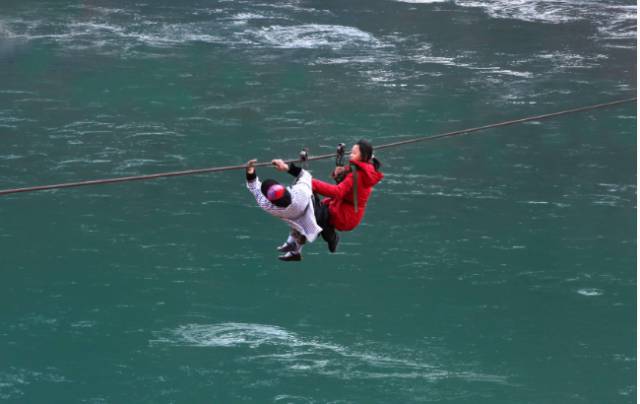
280	165
251	166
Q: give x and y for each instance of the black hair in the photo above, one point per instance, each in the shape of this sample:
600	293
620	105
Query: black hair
366	153
282	202
266	184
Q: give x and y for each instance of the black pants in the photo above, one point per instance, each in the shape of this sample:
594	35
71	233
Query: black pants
323	219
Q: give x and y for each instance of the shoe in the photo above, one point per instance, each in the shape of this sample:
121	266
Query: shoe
333	244
290	256
286	247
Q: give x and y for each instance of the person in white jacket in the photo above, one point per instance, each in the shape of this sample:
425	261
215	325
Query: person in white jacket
293	204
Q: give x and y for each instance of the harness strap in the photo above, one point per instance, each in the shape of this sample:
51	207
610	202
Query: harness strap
354	170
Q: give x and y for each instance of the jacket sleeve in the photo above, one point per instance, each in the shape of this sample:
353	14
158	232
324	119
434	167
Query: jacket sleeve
304	182
339	191
294	170
254	188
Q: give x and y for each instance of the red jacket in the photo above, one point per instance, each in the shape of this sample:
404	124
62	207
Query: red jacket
340	201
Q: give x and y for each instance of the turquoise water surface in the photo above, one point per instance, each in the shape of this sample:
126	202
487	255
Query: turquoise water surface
492	268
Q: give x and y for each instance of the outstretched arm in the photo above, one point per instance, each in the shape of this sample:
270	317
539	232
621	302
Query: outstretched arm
290	168
251	170
303	177
254	184
339	191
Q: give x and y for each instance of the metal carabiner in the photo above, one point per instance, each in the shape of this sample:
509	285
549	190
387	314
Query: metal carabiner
340	155
304	157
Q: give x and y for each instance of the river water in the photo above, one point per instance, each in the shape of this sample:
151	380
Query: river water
493	268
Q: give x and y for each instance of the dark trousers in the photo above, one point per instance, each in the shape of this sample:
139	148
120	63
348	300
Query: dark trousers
323	219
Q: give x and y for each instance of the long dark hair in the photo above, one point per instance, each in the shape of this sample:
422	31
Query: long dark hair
366	153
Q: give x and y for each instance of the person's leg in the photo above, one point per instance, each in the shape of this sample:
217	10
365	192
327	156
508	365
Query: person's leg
294	245
289	245
323	219
321	211
331	237
299	240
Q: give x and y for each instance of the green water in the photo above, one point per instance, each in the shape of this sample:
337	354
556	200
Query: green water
492	268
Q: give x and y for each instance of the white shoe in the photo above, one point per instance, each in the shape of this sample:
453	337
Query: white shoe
290	256
287	247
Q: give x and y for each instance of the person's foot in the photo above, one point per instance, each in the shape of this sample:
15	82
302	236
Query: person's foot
333	244
286	247
290	256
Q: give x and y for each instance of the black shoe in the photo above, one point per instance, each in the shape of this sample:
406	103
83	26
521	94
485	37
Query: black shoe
333	244
286	247
290	256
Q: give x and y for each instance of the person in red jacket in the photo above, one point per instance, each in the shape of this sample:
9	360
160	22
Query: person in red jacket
346	202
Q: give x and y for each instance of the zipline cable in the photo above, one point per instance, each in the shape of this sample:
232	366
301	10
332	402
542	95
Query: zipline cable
507	123
313	158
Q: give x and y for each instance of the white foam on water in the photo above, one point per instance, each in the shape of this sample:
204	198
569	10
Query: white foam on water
438	60
293	6
347	60
10	157
422	56
5	32
154	134
103	31
385	72
16	92
14	119
590	292
619	22
291	399
554	12
208	11
246	17
98	9
10	385
229	335
303	354
160	35
311	36
134	163
13	380
617	187
500	71
568	60
613	22
100	32
421	1
82	161
95	27
84	323
178	34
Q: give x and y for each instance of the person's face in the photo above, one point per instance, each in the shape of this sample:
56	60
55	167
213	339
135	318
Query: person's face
355	153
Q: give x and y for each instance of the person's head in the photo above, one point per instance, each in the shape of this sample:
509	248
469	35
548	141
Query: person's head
276	193
363	151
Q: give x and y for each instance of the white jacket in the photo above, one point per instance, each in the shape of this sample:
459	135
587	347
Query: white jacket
299	214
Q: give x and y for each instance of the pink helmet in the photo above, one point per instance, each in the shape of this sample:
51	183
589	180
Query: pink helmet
275	192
